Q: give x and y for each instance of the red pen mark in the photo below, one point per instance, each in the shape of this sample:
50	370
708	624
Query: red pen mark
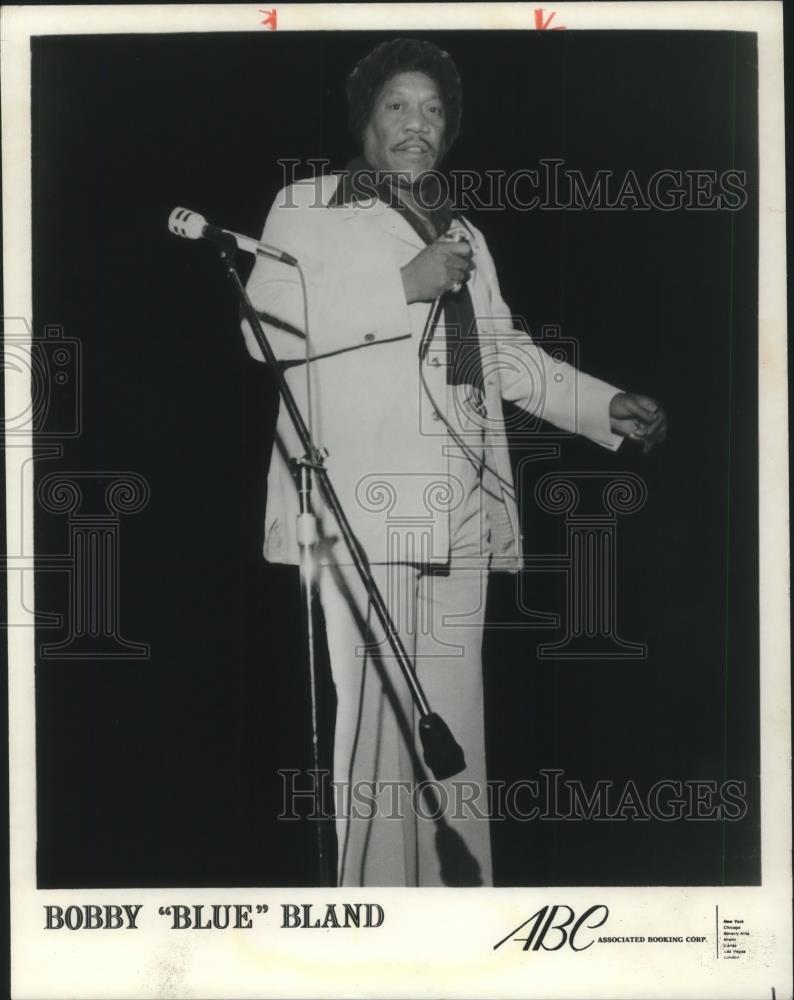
271	21
542	25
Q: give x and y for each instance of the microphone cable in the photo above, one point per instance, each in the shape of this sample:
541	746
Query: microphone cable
478	461
470	454
306	358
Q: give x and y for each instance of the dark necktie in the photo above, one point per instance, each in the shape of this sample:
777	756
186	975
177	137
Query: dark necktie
463	344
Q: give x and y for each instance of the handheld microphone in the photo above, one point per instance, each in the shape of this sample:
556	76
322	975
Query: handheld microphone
455	234
192	226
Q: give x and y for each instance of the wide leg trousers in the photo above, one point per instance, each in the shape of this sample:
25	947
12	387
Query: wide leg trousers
396	825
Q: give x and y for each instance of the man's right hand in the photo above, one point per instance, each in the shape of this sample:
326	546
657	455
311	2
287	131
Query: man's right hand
437	269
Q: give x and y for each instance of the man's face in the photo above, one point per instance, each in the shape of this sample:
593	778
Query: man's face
405	131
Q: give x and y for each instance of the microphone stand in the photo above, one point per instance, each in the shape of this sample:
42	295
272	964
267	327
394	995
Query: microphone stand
442	754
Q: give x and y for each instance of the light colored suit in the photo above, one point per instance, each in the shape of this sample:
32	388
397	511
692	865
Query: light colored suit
369	408
412	500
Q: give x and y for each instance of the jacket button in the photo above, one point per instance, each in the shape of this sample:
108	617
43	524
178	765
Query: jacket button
435	416
369	337
434	362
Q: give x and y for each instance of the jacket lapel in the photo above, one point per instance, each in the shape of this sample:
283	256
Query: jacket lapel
376	213
393	224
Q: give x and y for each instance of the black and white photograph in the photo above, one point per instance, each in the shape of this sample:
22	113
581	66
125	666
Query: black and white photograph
392	504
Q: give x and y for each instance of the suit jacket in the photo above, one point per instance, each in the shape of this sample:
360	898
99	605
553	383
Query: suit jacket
371	408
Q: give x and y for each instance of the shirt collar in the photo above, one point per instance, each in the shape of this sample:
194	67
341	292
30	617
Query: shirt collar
362	182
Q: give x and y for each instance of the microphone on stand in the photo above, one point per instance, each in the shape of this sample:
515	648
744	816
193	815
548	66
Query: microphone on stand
192	226
455	234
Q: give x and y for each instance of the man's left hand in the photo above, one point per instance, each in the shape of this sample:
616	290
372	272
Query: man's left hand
638	418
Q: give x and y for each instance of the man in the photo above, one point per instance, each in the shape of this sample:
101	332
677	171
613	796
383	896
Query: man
412	419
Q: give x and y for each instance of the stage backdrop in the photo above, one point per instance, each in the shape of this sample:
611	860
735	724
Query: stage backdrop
159	768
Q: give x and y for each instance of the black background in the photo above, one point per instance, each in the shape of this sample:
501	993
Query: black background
162	772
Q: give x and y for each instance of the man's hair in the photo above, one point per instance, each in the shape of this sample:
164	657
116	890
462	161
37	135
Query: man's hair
404	55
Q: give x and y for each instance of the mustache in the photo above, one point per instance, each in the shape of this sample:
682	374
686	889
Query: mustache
415	142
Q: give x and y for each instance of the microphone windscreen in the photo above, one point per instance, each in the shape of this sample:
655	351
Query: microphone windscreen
190	225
